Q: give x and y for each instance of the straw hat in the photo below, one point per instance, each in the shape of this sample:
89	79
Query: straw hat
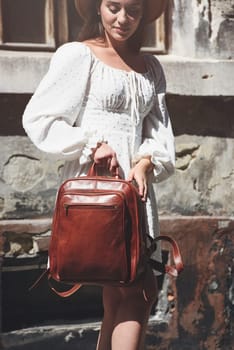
154	8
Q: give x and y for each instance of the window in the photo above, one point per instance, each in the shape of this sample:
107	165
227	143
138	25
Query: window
156	38
27	23
46	24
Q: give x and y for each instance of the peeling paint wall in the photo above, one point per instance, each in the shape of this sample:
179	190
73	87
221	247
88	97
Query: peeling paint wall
203	183
196	205
203	28
203	315
195	311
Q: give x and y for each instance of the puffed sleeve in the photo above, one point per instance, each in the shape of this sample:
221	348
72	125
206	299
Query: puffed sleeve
52	111
157	136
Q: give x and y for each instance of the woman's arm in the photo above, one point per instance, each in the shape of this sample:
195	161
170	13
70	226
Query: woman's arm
55	106
157	136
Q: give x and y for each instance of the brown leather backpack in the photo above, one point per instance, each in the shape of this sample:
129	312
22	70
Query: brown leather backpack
98	234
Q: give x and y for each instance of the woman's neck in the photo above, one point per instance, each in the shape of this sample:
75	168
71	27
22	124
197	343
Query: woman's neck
121	47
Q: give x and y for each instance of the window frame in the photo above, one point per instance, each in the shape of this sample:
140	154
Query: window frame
160	46
50	42
56	23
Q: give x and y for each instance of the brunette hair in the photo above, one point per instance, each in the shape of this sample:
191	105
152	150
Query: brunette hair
92	28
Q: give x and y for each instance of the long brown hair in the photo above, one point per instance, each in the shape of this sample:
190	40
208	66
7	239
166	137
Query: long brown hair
92	28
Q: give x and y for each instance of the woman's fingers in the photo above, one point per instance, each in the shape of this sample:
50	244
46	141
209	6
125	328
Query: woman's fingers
141	182
139	173
113	164
104	155
130	176
145	190
101	162
106	158
142	189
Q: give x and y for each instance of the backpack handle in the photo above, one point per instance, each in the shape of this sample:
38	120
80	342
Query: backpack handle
93	171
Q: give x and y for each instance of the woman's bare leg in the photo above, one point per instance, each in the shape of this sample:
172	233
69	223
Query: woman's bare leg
126	314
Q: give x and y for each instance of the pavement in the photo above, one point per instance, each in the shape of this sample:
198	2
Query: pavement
73	336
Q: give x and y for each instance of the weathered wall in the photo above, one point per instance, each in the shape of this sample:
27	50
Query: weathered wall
200	301
196	311
203	28
202	184
205	175
28	180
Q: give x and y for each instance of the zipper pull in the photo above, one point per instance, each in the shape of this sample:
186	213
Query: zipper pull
66	206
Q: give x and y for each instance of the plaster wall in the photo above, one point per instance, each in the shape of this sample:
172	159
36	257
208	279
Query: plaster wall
195	205
202	28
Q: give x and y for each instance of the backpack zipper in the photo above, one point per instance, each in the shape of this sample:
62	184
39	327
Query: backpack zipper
88	206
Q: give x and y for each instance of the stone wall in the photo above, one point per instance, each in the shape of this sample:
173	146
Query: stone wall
202	184
204	175
28	180
195	204
195	311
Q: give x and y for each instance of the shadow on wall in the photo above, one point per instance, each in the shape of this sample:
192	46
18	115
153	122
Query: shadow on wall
201	116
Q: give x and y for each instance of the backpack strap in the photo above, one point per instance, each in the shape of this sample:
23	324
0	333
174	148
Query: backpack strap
172	270
64	294
38	280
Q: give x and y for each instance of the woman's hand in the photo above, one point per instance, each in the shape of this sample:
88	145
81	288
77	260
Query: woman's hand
105	157
139	173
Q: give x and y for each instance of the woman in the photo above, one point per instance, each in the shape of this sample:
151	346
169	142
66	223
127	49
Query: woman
103	100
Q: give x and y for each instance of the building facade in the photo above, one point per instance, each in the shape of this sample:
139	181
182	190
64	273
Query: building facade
194	42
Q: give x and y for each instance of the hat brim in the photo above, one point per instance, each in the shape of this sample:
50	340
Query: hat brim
154	8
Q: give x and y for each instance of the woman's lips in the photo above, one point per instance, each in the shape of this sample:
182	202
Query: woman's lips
121	30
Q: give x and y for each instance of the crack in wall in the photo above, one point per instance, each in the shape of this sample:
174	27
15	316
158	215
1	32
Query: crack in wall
185	154
210	18
30	170
19	155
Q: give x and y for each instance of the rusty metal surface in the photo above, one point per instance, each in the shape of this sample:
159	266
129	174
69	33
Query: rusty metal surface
197	307
202	318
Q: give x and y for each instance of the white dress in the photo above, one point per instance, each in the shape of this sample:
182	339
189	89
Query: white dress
82	101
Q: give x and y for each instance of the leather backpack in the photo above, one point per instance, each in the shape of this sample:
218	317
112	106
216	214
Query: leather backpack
99	234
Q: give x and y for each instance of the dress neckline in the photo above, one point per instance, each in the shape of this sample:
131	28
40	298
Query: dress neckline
114	68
